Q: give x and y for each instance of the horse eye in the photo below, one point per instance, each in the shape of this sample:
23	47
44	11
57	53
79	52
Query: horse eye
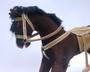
18	24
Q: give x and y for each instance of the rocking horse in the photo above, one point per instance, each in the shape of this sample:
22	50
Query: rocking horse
58	45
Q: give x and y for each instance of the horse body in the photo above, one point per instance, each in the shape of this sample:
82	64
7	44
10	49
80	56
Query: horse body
61	53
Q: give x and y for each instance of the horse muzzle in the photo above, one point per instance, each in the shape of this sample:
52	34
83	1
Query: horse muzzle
20	43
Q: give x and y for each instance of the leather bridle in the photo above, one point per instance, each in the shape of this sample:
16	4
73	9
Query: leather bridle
26	38
25	19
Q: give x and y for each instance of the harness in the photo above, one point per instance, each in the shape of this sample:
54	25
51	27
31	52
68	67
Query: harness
82	33
26	38
25	19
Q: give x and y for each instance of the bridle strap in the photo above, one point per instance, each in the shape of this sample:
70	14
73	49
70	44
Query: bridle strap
25	17
30	23
45	37
18	19
24	27
57	40
21	36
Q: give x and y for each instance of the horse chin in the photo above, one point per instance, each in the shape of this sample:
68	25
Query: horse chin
19	43
20	46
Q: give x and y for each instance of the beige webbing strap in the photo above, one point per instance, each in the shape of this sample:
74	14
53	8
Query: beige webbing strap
30	23
24	27
21	36
80	42
45	55
47	36
54	42
86	56
18	19
87	69
25	17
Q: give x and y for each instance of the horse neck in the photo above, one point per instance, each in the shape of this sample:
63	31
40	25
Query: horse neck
44	25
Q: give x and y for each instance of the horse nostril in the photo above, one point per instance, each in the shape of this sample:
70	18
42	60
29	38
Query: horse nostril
20	43
24	40
17	45
25	45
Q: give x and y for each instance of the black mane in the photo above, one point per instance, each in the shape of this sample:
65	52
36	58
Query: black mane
34	10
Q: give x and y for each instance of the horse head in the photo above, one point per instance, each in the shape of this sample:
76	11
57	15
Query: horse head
18	27
28	19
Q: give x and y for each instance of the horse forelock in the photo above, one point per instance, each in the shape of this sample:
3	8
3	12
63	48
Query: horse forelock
13	27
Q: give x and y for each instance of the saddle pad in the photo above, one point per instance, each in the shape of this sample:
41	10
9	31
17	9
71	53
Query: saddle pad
81	44
83	36
80	31
86	40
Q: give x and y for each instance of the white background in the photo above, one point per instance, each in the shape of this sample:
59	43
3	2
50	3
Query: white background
74	13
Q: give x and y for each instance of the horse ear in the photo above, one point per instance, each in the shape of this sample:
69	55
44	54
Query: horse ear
14	11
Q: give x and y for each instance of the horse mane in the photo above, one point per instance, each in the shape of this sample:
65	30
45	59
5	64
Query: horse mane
34	10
